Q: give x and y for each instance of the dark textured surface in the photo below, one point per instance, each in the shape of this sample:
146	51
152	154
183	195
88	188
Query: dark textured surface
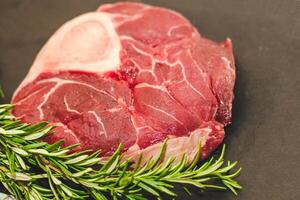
265	135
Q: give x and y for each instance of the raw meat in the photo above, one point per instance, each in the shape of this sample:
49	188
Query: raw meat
133	74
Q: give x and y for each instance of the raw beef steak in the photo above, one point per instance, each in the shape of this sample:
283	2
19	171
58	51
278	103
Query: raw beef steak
133	74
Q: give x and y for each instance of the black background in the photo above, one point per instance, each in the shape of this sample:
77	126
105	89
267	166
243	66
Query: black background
265	135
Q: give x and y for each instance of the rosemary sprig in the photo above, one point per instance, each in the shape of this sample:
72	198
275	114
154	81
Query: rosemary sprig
31	169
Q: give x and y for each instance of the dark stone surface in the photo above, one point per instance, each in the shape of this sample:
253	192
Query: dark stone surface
264	136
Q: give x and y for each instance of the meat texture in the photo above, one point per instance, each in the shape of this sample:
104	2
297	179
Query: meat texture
133	74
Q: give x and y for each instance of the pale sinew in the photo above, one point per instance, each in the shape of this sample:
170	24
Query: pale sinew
133	74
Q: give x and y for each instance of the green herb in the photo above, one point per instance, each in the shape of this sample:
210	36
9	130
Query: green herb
1	92
32	169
